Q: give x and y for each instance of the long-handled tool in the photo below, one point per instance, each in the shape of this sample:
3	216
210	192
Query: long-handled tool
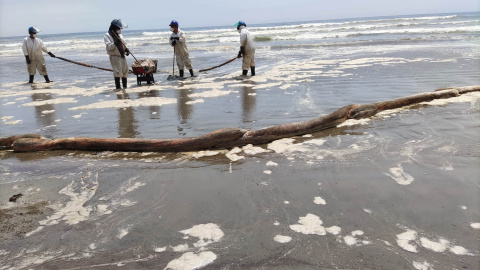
125	45
170	77
229	61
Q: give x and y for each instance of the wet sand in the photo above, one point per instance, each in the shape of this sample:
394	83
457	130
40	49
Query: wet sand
324	201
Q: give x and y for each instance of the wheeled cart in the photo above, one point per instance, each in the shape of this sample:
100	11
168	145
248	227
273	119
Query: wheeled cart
144	70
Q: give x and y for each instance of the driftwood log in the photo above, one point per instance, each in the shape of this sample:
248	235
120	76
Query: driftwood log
227	137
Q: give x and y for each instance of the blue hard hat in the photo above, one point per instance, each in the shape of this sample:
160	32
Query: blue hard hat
119	23
173	23
240	23
33	29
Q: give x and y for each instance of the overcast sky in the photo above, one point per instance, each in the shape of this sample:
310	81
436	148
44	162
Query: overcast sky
69	16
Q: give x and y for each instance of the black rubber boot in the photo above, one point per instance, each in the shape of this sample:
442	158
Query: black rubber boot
181	73
252	69
31	79
191	72
117	83
244	72
47	80
124	83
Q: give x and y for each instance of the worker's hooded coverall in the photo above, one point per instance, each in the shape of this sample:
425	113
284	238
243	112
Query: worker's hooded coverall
181	50
119	63
33	48
246	41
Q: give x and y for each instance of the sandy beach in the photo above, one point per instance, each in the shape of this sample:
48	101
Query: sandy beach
399	190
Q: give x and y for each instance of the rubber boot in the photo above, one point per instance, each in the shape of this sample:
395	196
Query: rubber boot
124	83
252	69
47	80
181	73
117	83
244	72
191	72
31	79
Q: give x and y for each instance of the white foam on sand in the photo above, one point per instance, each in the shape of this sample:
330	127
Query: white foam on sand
232	154
312	150
349	240
286	145
50	101
422	266
309	224
191	260
407	240
319	200
6	122
123	232
195	101
207	233
74	210
439	246
352	239
335	230
160	249
253	150
282	239
410	239
271	163
367	210
180	248
354	122
475	225
206	153
211	94
125	103
401	177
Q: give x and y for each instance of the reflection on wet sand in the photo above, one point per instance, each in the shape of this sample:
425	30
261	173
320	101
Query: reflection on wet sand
249	100
184	110
127	125
154	110
45	114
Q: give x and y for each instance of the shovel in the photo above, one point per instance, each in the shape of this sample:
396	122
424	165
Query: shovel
172	77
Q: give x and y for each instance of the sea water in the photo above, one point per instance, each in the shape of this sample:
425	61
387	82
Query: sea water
403	184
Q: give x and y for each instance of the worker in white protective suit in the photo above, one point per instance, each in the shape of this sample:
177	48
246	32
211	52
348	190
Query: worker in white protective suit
32	49
178	42
117	50
247	49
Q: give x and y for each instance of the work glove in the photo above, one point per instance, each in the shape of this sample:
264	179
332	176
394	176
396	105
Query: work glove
177	38
174	42
28	59
241	52
51	54
127	52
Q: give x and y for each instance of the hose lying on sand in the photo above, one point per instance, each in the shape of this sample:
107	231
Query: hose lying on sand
85	65
207	69
227	137
82	64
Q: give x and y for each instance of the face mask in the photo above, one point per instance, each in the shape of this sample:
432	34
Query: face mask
119	32
34	35
171	29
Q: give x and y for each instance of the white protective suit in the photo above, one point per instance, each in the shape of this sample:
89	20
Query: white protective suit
119	63
181	50
246	41
33	48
